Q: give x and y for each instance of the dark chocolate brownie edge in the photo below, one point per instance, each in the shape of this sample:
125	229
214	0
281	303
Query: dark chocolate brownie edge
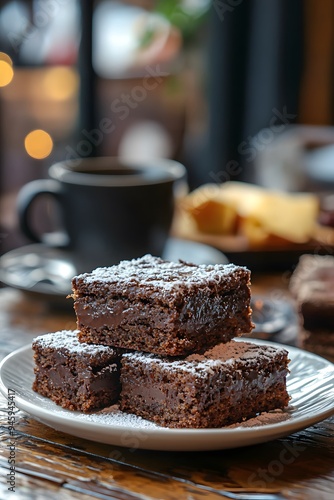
181	398
76	381
192	327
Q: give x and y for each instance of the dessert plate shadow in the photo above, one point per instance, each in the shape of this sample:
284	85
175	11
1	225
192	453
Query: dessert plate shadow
310	384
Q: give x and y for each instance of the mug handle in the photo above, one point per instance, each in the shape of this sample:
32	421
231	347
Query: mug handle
26	197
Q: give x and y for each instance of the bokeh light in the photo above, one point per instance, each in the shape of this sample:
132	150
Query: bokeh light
6	69
60	83
5	57
38	144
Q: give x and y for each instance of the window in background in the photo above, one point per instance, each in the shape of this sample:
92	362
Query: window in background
38	107
147	60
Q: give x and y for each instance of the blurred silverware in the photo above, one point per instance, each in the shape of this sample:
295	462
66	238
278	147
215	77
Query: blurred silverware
271	316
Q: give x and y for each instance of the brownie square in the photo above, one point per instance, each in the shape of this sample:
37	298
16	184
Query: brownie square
227	384
74	375
312	284
320	342
161	307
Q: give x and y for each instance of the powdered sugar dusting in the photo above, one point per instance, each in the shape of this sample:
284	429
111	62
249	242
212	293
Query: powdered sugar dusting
68	340
113	416
153	271
229	354
313	273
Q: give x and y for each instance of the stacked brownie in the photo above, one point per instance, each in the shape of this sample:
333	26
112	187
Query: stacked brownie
161	307
312	285
74	375
171	326
228	383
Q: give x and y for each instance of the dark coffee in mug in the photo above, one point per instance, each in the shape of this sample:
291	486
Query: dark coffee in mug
110	210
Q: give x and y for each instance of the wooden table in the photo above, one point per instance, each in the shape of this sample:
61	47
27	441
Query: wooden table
51	465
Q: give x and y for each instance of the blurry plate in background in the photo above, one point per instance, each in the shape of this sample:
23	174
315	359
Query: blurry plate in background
319	164
45	272
262	259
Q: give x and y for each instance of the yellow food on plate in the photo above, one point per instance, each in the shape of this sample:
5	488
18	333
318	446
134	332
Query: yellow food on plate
262	215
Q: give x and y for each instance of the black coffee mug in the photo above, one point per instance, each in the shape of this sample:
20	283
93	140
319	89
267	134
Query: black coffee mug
110	210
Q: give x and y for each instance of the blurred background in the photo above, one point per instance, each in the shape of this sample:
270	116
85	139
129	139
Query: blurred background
234	89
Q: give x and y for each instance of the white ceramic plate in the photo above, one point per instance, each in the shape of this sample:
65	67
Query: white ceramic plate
310	384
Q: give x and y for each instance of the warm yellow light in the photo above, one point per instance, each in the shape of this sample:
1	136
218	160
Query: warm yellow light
38	144
6	73
5	57
60	83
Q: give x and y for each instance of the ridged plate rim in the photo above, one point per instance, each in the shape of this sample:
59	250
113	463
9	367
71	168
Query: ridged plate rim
310	384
